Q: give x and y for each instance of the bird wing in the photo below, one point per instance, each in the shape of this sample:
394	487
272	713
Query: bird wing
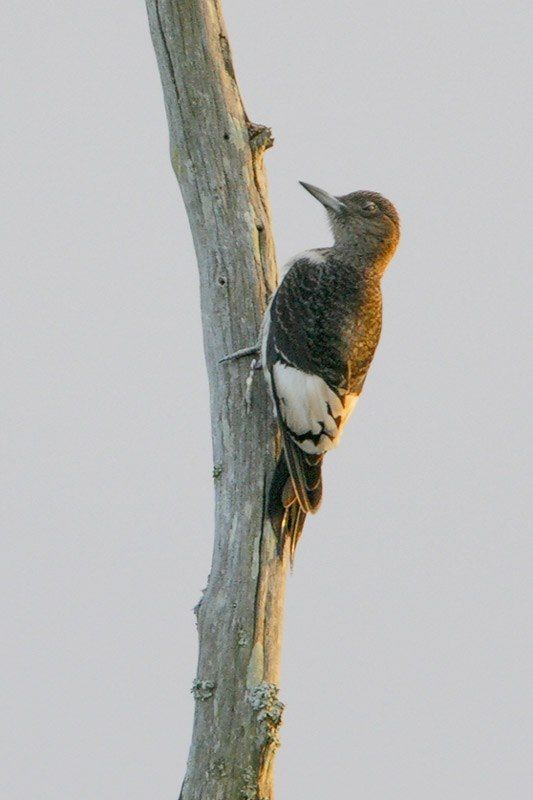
307	362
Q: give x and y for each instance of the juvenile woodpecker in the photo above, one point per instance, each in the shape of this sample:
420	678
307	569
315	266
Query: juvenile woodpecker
318	339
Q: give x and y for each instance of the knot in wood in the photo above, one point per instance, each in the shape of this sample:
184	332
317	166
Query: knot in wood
260	136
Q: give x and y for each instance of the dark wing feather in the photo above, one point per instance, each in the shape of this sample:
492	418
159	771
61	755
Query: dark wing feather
306	323
304	333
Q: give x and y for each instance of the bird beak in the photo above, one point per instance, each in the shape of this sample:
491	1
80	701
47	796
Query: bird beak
327	200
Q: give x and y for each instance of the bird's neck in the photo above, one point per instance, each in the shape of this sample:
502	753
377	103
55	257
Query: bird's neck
368	252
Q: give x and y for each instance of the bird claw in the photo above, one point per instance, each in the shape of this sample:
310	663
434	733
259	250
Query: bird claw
249	385
246	351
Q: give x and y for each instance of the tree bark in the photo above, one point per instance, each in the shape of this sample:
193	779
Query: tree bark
217	156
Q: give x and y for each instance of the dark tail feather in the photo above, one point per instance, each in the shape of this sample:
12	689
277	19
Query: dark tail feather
284	508
296	467
306	472
295	520
277	504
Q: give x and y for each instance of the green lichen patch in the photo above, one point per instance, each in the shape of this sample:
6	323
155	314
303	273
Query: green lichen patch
269	712
248	790
202	690
218	769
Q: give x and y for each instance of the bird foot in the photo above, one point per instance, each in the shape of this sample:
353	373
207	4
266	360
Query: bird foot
254	366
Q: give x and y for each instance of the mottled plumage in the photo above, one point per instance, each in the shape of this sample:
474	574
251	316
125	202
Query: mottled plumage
319	336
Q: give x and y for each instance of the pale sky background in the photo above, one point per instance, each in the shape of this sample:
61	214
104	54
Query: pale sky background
407	667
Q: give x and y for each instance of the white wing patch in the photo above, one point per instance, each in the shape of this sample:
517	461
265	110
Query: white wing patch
313	256
309	406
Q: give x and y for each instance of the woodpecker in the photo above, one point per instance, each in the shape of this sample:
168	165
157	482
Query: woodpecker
318	339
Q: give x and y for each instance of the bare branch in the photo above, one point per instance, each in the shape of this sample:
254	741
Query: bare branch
217	155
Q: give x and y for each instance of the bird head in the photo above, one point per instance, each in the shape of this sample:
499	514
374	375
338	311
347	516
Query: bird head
364	218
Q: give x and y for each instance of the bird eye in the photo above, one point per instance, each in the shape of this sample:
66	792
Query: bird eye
369	208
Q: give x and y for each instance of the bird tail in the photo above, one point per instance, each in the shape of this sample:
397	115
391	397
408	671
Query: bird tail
295	491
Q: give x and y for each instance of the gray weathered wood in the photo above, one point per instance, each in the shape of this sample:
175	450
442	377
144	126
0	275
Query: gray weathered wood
217	156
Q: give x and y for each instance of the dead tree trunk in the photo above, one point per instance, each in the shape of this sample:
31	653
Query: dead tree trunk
217	156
